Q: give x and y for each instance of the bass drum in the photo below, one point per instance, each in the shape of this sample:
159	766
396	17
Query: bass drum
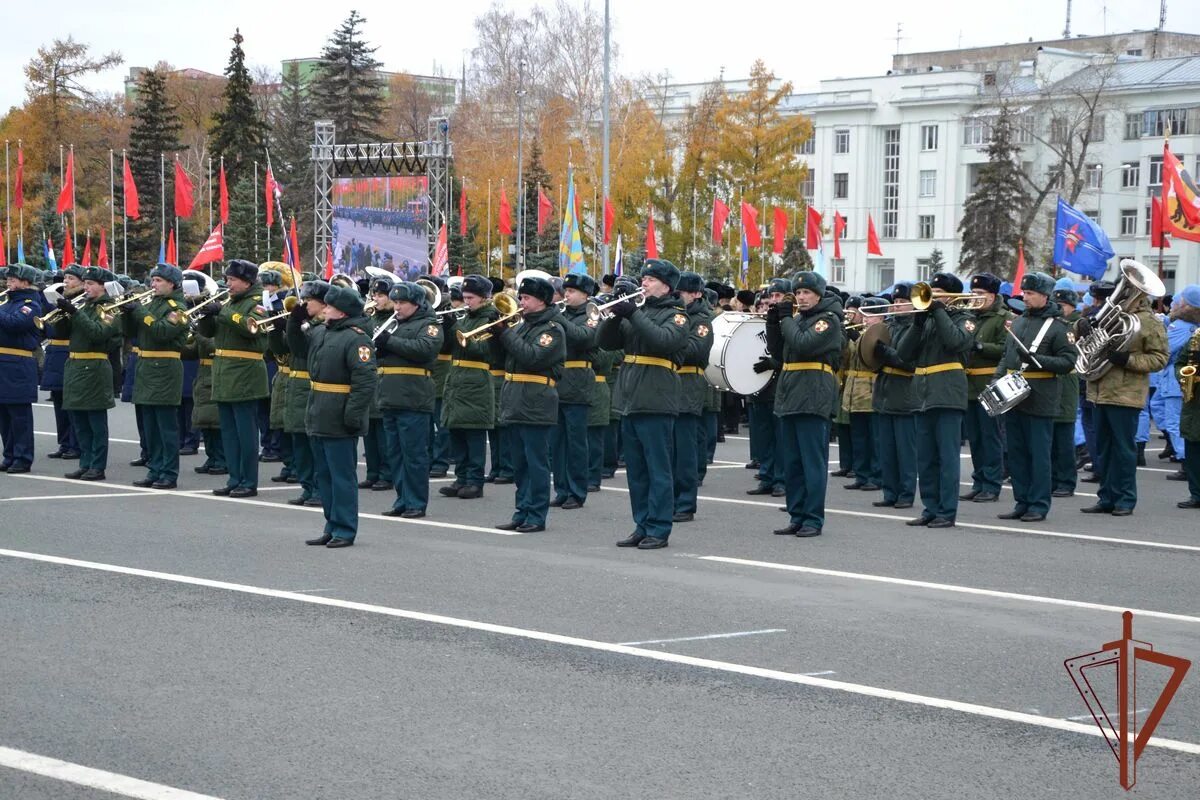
739	341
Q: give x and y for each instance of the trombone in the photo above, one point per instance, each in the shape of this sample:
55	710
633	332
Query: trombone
506	305
923	296
108	310
257	326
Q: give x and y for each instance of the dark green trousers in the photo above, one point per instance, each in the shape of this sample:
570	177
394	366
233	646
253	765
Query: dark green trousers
379	465
161	424
648	441
91	429
865	454
303	465
1029	441
939	433
1191	467
1062	458
1116	428
896	440
214	448
804	448
983	434
239	433
336	459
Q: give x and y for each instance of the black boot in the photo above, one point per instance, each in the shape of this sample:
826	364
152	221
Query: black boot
1141	460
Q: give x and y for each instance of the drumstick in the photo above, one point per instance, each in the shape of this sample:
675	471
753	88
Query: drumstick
1024	349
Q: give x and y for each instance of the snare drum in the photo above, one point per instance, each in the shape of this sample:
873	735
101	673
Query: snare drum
1004	394
739	341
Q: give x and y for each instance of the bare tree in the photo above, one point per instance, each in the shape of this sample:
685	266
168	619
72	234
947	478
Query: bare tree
56	74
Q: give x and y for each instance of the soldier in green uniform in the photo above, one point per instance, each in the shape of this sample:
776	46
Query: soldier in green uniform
983	432
1049	354
652	337
894	406
534	353
1119	397
1063	472
693	390
808	347
570	446
1187	363
937	344
161	329
858	389
341	364
88	376
500	462
469	404
406	350
293	340
765	429
439	437
375	451
205	417
239	375
276	445
52	370
599	412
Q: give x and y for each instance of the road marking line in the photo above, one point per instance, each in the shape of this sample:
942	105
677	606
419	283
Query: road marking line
708	636
979	526
93	778
72	496
1007	488
822	672
1089	716
110	439
950	587
608	647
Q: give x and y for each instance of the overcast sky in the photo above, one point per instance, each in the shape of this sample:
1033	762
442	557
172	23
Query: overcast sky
801	42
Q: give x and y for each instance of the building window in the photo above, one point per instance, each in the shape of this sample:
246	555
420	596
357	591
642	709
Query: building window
845	228
1022	128
1131	174
929	137
1176	121
1097	127
1060	130
807	188
976	132
928	183
1149	215
839	270
1155	171
1095	174
924	271
1133	126
891	183
841	185
885	271
1136	51
807	147
1094	216
841	141
1129	222
925	226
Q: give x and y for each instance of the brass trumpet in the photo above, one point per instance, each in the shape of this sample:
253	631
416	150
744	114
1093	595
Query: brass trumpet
257	326
192	315
109	310
41	323
506	305
638	297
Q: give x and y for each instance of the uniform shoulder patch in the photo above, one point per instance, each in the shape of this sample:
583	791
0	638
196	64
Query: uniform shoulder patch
148	320
173	318
259	310
821	326
237	318
969	326
357	329
546	339
364	353
172	303
702	330
592	323
26	309
1070	337
432	330
680	319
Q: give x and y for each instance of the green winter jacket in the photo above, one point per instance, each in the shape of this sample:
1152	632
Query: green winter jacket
341	363
239	372
990	340
160	330
204	411
600	404
534	354
470	400
406	359
893	390
808	346
578	378
1129	385
1055	353
937	344
652	338
1068	398
694	387
88	374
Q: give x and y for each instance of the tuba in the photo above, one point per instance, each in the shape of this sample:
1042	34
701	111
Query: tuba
1113	326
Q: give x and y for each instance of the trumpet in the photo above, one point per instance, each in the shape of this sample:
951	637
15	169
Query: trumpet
109	310
457	313
192	315
509	311
638	297
257	326
54	316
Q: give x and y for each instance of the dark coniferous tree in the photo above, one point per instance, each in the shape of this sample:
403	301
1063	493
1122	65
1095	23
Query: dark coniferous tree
541	251
347	88
291	157
991	221
154	134
238	133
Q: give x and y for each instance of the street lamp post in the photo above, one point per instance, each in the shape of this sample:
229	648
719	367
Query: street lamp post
520	256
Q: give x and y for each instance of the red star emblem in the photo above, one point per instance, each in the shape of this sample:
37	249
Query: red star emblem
1073	237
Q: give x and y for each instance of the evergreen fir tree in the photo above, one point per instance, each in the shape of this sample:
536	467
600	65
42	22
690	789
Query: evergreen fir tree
937	263
238	132
347	88
796	257
541	251
991	221
463	251
291	156
155	133
243	226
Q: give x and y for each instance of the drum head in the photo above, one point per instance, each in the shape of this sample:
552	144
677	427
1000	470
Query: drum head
739	341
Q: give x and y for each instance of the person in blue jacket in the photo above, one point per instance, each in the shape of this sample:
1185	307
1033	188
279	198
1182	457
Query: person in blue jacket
19	340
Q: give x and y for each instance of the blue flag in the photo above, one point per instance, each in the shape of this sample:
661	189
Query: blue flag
20	250
745	261
162	251
1080	245
48	255
570	245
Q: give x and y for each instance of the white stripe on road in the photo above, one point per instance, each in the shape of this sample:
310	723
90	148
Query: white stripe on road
609	647
979	526
110	439
707	636
93	778
949	587
73	496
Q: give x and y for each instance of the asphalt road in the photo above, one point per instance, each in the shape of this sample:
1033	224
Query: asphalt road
195	644
403	246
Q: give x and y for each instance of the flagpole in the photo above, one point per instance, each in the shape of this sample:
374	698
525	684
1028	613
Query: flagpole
162	195
693	228
255	206
604	149
287	243
489	229
112	203
62	218
124	218
596	235
210	193
21	210
7	206
74	212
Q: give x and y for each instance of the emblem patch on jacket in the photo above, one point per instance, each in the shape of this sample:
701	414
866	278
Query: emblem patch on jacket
1070	337
821	326
591	323
702	330
364	354
432	330
237	318
969	326
546	339
680	319
148	320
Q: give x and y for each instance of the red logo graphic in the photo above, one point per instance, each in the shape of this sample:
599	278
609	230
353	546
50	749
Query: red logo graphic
1073	238
1125	739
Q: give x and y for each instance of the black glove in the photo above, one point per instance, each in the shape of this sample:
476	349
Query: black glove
853	333
1083	327
300	312
936	304
209	309
381	338
765	364
66	306
624	309
1120	358
880	351
773	314
785	309
919	319
1026	358
977	346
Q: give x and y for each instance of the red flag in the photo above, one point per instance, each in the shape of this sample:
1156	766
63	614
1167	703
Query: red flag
102	256
839	227
1158	238
780	230
609	218
130	193
651	237
719	215
1173	175
750	225
545	210
578	210
505	221
66	199
328	261
462	209
441	254
172	257
87	252
3	249
184	201
812	230
269	190
1019	273
68	247
295	262
213	249
873	248
19	189
224	190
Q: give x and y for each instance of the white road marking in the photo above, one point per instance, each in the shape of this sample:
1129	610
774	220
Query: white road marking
1090	717
707	636
1008	488
950	587
93	778
111	439
976	525
822	672
73	496
608	647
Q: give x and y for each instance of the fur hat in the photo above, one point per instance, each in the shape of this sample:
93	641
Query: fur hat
382	285
872	302
779	286
477	285
75	270
902	291
1066	296
537	287
809	280
94	274
168	272
1190	294
314	290
583	283
408	292
711	297
946	282
270	277
241	269
609	280
1038	282
745	297
497	284
1101	289
854	302
690	282
348	301
662	270
986	281
23	272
